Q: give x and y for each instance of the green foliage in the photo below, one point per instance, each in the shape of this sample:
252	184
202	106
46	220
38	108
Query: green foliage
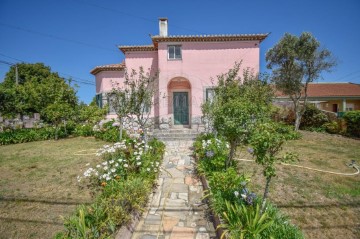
213	153
84	130
112	208
135	98
352	119
125	183
287	132
239	104
108	132
267	143
224	186
29	135
281	227
297	61
91	114
229	197
313	118
38	88
244	222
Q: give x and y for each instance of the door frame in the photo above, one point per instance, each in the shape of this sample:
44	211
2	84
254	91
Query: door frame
188	91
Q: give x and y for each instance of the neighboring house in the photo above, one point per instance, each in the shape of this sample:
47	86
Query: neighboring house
333	97
186	65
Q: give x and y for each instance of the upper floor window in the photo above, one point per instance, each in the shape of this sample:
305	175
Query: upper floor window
174	52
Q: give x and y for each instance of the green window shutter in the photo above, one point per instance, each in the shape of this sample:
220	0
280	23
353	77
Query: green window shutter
99	100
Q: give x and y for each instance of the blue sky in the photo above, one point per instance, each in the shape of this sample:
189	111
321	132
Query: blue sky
73	36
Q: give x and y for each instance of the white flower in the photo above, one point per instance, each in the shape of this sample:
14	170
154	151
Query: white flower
111	161
148	169
87	164
78	179
236	193
113	170
104	163
126	165
138	163
157	163
106	168
98	166
120	160
116	165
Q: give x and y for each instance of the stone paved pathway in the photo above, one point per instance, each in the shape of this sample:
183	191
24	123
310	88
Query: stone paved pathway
175	209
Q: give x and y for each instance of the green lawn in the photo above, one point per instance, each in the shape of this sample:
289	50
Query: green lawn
38	185
324	205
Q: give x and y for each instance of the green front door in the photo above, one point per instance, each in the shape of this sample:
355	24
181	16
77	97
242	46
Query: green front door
181	108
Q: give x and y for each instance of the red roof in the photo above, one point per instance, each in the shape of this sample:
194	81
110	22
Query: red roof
333	89
317	90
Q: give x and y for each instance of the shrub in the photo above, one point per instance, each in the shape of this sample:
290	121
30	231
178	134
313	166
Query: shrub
125	178
28	135
352	119
226	186
245	221
288	131
313	118
84	130
213	153
108	132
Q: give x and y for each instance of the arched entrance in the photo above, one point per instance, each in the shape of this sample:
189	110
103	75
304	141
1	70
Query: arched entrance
179	104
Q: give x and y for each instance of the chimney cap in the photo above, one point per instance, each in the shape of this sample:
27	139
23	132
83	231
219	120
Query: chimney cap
163	18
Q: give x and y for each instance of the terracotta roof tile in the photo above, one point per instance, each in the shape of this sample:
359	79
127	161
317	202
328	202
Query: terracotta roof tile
209	38
137	48
109	67
333	89
318	90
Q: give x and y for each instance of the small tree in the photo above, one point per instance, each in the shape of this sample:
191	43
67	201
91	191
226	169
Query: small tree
142	91
266	142
296	62
57	112
134	99
120	102
239	104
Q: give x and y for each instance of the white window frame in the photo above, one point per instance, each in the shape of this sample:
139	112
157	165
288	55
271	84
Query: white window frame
174	57
209	96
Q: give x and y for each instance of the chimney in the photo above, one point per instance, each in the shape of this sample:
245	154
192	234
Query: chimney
163	27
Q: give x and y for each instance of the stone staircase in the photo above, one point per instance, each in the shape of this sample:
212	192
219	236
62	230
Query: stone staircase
174	134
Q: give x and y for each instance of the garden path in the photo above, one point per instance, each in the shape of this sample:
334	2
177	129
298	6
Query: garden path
176	209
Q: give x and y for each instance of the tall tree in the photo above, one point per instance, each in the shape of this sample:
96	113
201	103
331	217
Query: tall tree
238	105
296	62
38	87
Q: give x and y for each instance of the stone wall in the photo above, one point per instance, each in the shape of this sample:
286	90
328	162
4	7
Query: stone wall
26	121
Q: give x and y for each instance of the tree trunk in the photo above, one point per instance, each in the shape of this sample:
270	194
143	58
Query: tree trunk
145	138
121	128
231	154
56	132
298	116
266	192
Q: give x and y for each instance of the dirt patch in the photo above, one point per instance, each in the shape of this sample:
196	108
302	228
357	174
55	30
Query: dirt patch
323	205
38	185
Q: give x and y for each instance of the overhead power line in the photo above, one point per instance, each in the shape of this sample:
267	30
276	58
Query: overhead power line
133	15
73	78
55	37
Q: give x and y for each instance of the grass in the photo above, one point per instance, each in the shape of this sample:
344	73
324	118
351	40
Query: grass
38	185
323	205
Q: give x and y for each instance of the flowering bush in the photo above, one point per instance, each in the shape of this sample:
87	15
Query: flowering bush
126	176
212	152
122	160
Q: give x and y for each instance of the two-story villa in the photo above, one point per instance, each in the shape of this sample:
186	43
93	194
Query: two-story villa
186	65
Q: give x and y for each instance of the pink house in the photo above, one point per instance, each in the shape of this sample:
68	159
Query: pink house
186	65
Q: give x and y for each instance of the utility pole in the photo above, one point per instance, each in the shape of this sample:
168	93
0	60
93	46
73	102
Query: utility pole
16	75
